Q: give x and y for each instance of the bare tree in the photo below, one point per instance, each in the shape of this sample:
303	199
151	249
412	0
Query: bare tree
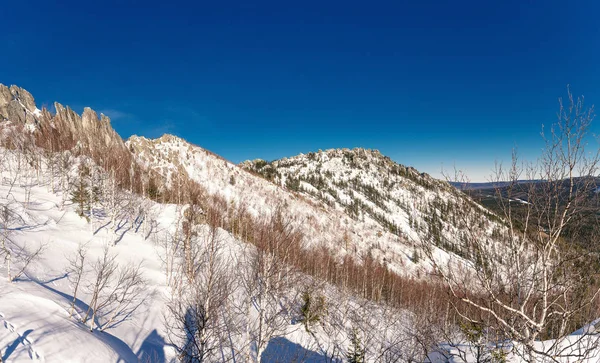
116	292
76	273
5	249
170	244
532	281
65	166
195	320
268	280
103	269
17	255
193	215
125	297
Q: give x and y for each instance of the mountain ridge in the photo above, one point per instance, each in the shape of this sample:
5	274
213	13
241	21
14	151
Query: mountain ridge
350	225
361	203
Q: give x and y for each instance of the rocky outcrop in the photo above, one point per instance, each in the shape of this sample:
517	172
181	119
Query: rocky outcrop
88	134
88	130
18	105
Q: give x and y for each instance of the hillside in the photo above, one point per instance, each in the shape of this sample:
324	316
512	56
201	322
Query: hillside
368	186
157	250
355	202
44	307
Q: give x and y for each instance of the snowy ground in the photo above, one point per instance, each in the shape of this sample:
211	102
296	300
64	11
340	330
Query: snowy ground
34	310
574	348
35	322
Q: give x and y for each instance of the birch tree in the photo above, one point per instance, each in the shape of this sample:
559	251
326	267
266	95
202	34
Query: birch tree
195	322
116	292
76	271
536	281
268	281
17	256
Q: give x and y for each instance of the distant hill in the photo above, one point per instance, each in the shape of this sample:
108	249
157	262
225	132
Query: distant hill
488	185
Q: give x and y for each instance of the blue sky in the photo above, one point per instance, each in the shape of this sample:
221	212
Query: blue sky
428	83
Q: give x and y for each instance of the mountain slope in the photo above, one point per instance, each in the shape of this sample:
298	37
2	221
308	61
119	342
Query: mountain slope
59	189
320	224
355	202
369	186
35	323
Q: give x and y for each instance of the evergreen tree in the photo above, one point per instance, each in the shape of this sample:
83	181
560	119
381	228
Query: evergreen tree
415	256
292	183
312	309
153	189
80	195
356	352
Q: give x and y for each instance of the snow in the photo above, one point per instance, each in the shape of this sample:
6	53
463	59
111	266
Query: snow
36	326
575	347
35	323
321	224
34	310
30	127
382	194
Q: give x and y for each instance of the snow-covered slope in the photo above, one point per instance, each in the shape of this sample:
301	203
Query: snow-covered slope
354	202
370	186
35	309
35	319
61	193
348	208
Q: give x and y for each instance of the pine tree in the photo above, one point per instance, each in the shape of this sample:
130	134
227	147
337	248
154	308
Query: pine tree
415	256
312	309
80	194
356	353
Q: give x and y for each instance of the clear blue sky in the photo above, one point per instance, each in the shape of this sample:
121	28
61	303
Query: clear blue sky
426	82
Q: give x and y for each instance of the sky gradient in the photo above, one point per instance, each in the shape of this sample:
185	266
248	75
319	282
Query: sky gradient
431	84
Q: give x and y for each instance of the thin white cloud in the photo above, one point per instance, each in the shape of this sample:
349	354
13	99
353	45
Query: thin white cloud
116	114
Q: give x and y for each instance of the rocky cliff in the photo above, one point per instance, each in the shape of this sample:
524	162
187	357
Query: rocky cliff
88	129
